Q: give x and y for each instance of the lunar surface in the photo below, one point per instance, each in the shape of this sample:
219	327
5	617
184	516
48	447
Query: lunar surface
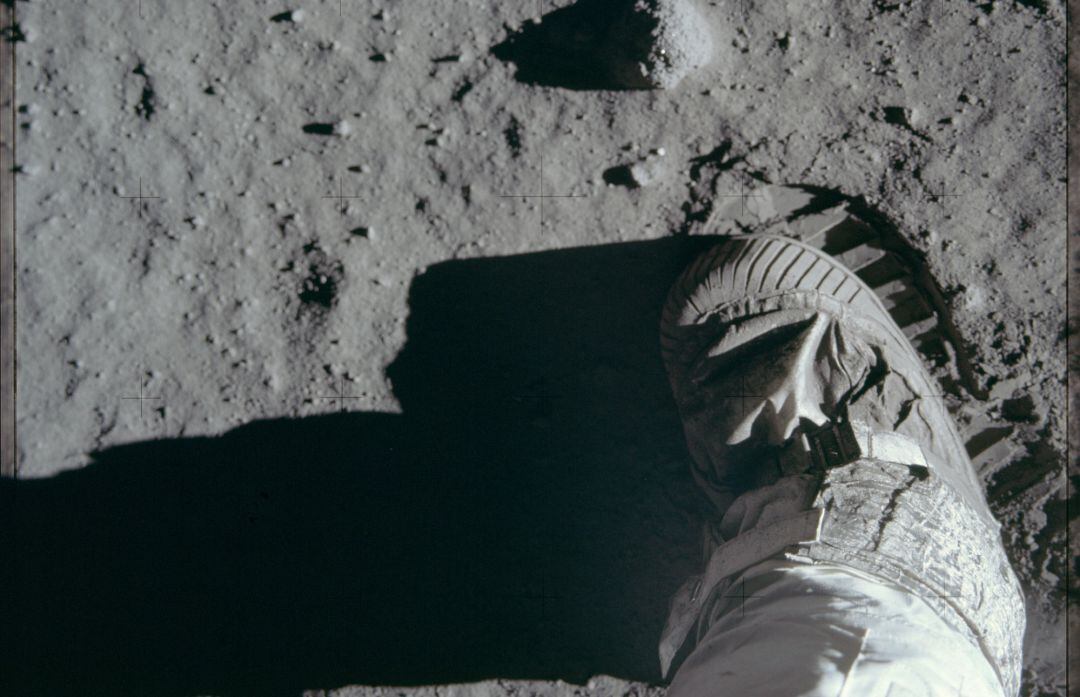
337	352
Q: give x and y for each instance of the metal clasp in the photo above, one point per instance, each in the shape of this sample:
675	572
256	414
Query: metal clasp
833	445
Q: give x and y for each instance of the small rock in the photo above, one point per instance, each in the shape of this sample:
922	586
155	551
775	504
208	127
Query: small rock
642	174
295	16
647	170
973	298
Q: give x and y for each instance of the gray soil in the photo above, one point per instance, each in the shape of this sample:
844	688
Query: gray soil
401	424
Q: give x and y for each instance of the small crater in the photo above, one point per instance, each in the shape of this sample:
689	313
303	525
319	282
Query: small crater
463	89
513	136
320	288
148	99
902	117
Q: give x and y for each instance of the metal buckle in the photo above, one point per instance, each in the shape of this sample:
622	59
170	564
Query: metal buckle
833	445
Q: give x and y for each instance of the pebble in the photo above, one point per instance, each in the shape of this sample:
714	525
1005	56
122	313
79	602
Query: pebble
647	170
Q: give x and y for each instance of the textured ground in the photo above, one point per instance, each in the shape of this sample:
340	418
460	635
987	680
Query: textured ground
505	475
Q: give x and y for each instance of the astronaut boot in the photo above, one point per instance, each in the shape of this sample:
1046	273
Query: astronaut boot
820	437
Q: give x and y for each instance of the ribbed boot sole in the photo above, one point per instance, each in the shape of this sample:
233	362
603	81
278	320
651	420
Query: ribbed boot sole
751	265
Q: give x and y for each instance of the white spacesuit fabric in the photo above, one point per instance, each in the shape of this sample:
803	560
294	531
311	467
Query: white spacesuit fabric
788	629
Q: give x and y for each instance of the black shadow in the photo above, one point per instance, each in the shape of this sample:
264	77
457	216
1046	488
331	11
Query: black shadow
527	516
574	47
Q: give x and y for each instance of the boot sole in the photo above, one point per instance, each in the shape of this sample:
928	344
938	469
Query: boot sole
764	264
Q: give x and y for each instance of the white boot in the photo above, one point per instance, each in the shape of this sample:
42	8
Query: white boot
820	437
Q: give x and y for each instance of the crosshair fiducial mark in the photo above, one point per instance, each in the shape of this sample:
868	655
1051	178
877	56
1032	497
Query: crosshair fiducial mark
743	195
340	9
340	397
341	197
742	596
140	198
946	596
940	195
742	395
938	397
864	607
529	398
142	397
541	195
544	595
